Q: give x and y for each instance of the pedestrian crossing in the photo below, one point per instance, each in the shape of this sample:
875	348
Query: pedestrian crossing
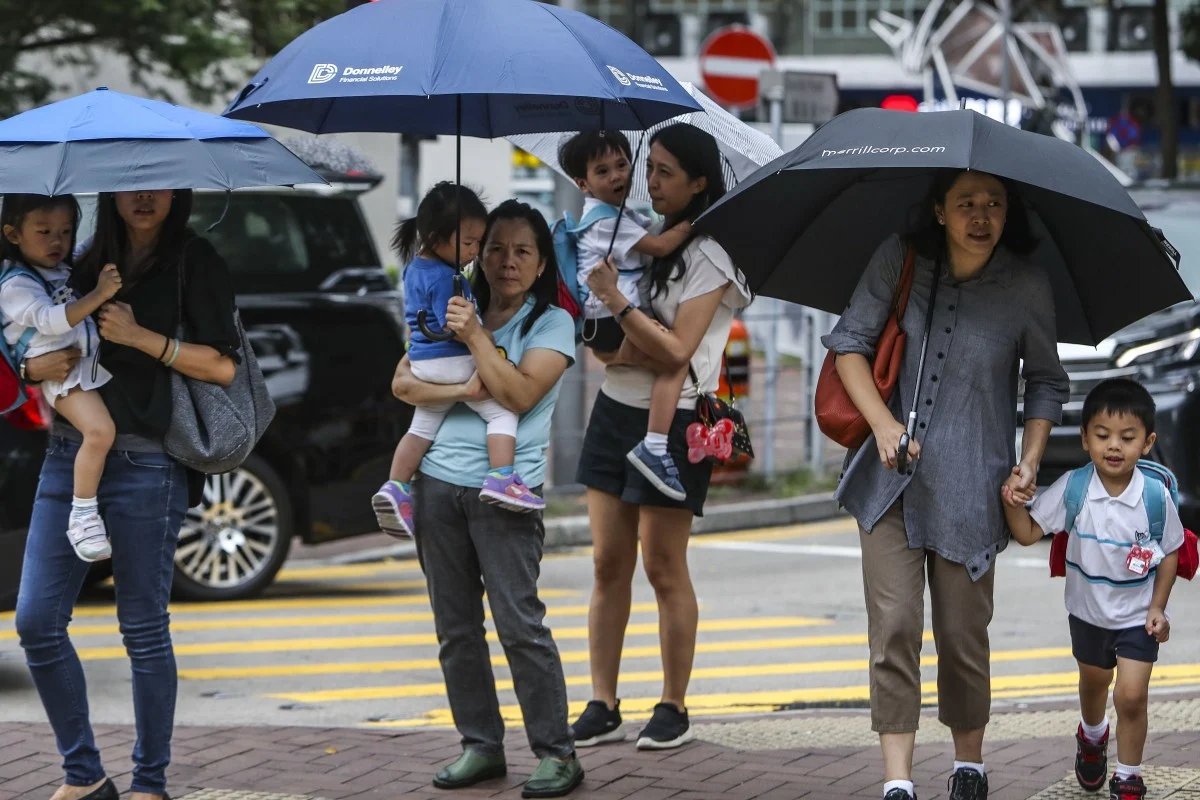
356	645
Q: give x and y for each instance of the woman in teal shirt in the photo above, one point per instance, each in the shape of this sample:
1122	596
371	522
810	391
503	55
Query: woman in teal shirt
464	543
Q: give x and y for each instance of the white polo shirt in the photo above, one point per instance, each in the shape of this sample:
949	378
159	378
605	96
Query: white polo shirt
1100	588
593	247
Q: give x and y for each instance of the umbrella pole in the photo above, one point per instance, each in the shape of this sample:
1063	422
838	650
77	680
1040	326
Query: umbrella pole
422	323
911	425
621	211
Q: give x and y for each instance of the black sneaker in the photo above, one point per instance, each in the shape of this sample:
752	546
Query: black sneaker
597	725
1131	788
899	794
667	728
967	784
1091	762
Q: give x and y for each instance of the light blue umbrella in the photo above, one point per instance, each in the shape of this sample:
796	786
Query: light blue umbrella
106	141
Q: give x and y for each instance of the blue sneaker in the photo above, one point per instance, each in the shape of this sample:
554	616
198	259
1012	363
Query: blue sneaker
659	470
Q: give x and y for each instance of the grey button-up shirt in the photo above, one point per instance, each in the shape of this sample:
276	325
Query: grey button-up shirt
967	414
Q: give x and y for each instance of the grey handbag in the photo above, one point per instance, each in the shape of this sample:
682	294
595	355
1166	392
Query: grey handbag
213	428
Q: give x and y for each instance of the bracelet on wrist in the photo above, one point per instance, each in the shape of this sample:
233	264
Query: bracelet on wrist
166	347
174	355
624	312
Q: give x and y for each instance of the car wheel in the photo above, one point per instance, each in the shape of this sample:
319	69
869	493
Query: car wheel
232	545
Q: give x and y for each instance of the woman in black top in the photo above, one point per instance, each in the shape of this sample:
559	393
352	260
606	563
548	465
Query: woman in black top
143	495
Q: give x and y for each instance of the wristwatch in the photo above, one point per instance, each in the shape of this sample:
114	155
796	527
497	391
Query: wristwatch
21	371
624	312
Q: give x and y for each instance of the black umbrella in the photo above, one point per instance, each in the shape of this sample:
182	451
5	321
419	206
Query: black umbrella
803	227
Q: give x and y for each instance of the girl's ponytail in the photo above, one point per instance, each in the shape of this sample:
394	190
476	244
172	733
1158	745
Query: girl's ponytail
404	240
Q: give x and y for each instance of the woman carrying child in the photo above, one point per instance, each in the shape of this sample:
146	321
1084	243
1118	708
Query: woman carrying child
692	294
449	225
522	346
144	494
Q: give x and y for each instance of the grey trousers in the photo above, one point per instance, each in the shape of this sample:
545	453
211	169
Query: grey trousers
463	545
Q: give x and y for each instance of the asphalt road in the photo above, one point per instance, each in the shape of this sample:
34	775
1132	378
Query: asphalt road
782	626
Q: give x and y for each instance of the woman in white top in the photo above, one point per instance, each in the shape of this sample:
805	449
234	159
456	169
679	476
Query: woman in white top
693	294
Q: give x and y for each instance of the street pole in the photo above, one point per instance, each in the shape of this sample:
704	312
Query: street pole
772	345
1005	83
568	421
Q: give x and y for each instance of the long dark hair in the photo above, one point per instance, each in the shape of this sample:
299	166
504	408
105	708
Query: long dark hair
18	206
441	211
698	154
928	236
110	245
545	288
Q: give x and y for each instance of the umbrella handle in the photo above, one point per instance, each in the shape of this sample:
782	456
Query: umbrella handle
902	454
422	317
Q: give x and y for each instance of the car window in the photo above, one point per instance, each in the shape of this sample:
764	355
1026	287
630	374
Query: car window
259	233
287	241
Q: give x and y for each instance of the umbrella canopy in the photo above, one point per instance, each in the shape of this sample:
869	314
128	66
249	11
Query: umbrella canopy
743	149
106	141
804	227
482	68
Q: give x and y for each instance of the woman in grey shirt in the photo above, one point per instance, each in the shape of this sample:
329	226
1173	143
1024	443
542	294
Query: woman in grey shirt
942	517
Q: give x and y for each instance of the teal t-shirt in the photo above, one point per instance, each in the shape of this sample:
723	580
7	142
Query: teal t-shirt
459	453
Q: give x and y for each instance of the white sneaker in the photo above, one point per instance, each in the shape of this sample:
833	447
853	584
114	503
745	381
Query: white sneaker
88	537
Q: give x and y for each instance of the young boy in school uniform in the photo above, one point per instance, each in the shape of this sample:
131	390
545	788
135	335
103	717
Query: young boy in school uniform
1119	576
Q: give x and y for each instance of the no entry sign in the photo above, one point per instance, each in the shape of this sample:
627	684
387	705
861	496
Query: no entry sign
731	60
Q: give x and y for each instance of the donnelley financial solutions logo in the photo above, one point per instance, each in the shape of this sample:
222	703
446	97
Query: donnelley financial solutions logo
324	73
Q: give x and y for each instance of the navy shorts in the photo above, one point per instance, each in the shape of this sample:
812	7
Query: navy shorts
1099	647
613	430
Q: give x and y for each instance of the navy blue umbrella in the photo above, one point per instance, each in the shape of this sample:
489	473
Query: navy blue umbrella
819	212
485	68
106	141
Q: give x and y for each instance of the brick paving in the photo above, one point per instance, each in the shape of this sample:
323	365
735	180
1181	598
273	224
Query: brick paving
342	763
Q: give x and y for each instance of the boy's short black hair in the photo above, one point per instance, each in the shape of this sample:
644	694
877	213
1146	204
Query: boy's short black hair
583	148
1120	396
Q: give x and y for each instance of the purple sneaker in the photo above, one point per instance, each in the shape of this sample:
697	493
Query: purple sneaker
393	509
510	492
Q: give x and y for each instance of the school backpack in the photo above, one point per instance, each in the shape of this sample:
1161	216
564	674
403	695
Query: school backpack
12	390
1157	477
572	295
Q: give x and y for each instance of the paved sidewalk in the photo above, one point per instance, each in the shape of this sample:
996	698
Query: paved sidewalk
776	757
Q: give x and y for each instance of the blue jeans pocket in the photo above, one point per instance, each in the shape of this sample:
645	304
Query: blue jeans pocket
147	460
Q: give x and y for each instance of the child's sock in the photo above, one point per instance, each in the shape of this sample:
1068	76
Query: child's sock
82	506
1094	733
1125	771
969	765
501	472
905	785
656	443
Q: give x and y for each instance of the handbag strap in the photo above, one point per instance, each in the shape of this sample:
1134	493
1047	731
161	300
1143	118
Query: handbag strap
904	285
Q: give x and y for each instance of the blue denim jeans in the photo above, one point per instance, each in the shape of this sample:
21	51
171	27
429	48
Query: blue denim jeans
143	498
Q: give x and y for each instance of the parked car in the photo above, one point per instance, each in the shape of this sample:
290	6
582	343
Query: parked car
327	327
1162	351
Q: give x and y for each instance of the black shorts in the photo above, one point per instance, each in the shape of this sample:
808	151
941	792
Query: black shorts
1099	647
613	430
603	335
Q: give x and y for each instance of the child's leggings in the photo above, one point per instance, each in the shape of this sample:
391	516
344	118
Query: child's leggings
456	369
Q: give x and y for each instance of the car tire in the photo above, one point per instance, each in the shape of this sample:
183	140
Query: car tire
233	544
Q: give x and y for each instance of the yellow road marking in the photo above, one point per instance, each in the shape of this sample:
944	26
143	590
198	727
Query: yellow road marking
334	571
651	676
410	639
291	603
312	621
838	525
498	660
768	701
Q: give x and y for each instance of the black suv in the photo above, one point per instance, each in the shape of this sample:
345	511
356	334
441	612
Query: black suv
1162	351
328	329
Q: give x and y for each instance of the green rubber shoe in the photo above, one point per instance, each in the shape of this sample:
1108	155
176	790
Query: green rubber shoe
471	768
554	778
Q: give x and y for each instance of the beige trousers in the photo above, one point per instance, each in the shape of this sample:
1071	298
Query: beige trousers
894	583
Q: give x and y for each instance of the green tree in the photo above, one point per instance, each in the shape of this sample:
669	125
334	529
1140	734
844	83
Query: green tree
209	46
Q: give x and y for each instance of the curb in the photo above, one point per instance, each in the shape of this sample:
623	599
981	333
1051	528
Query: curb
565	532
